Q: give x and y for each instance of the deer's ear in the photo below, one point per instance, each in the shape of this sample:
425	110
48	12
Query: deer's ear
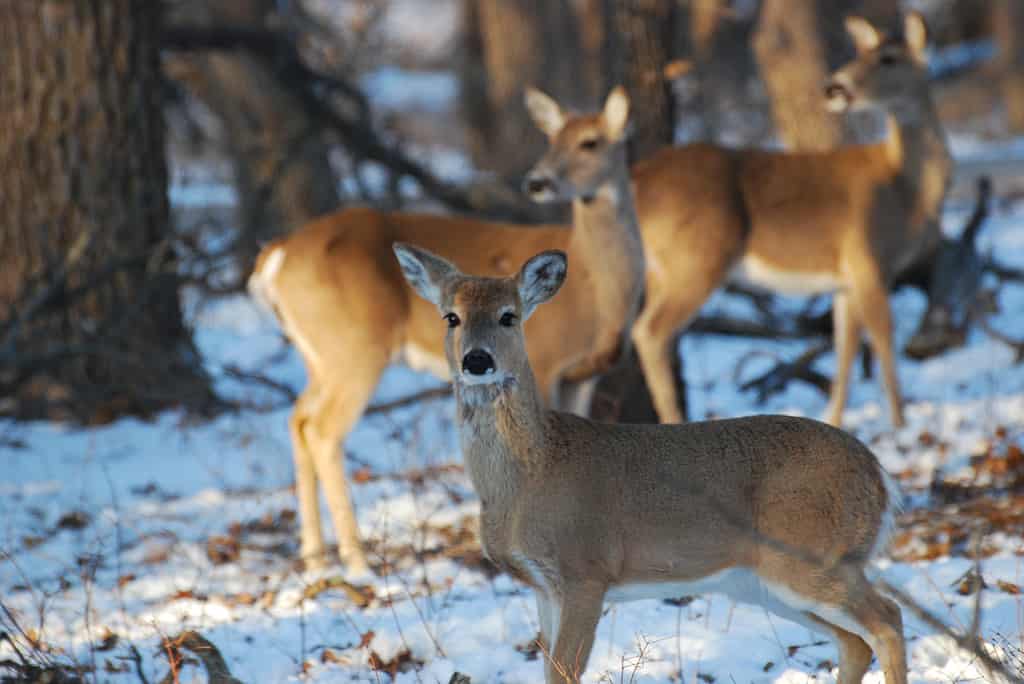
616	114
915	33
545	112
540	278
425	272
865	36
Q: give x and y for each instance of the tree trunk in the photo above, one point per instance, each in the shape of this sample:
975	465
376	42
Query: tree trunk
1008	23
639	42
508	45
798	43
95	327
698	42
278	152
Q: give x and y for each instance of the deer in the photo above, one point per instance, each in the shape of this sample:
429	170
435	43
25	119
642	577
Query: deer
844	221
339	295
781	511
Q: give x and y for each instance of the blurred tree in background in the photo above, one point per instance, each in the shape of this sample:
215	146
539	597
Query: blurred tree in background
94	327
507	45
1008	25
277	148
94	266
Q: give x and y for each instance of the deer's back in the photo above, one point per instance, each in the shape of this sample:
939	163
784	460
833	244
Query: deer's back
790	210
710	492
341	267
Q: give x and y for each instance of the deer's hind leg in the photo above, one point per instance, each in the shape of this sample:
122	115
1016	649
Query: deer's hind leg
339	406
311	532
854	652
842	598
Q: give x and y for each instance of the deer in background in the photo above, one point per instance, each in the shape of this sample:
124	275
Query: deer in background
781	511
339	295
844	221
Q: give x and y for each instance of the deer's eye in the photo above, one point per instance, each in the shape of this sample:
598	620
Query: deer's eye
508	319
453	320
888	59
589	143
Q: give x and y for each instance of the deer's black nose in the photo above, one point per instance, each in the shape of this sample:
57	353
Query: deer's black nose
536	185
477	362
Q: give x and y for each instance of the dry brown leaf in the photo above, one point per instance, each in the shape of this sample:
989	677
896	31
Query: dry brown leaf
359	595
75	520
329	656
1008	587
186	594
221	549
108	640
402	662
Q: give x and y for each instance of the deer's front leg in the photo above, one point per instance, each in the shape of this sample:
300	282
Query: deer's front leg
579	610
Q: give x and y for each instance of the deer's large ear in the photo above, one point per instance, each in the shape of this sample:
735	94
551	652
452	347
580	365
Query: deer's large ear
545	112
865	36
540	278
616	113
915	33
425	272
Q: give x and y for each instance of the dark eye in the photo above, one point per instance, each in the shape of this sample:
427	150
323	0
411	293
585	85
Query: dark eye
589	143
888	59
453	320
508	319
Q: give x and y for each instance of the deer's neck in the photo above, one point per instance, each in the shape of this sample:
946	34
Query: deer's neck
606	243
502	430
918	144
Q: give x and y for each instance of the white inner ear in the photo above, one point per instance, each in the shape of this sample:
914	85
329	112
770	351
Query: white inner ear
865	36
545	112
418	277
916	34
616	114
541	279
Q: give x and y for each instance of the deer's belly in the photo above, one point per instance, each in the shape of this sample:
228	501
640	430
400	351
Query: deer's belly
756	271
741	584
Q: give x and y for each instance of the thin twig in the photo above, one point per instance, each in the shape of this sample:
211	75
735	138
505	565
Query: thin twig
967	642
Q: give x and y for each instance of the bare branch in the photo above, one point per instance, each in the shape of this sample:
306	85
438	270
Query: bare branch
968	642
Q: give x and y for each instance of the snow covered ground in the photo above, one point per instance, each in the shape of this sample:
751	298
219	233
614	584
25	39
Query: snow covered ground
114	538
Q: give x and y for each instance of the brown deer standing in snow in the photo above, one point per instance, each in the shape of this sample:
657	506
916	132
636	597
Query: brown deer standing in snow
785	512
844	221
341	298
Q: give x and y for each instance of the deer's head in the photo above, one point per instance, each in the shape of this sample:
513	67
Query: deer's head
584	149
484	316
888	72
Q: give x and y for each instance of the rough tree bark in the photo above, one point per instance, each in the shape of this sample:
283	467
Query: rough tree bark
94	327
277	149
639	42
640	38
697	43
507	45
797	43
1008	23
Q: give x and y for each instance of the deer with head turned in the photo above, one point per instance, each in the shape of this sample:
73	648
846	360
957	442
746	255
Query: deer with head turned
339	295
776	510
844	221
